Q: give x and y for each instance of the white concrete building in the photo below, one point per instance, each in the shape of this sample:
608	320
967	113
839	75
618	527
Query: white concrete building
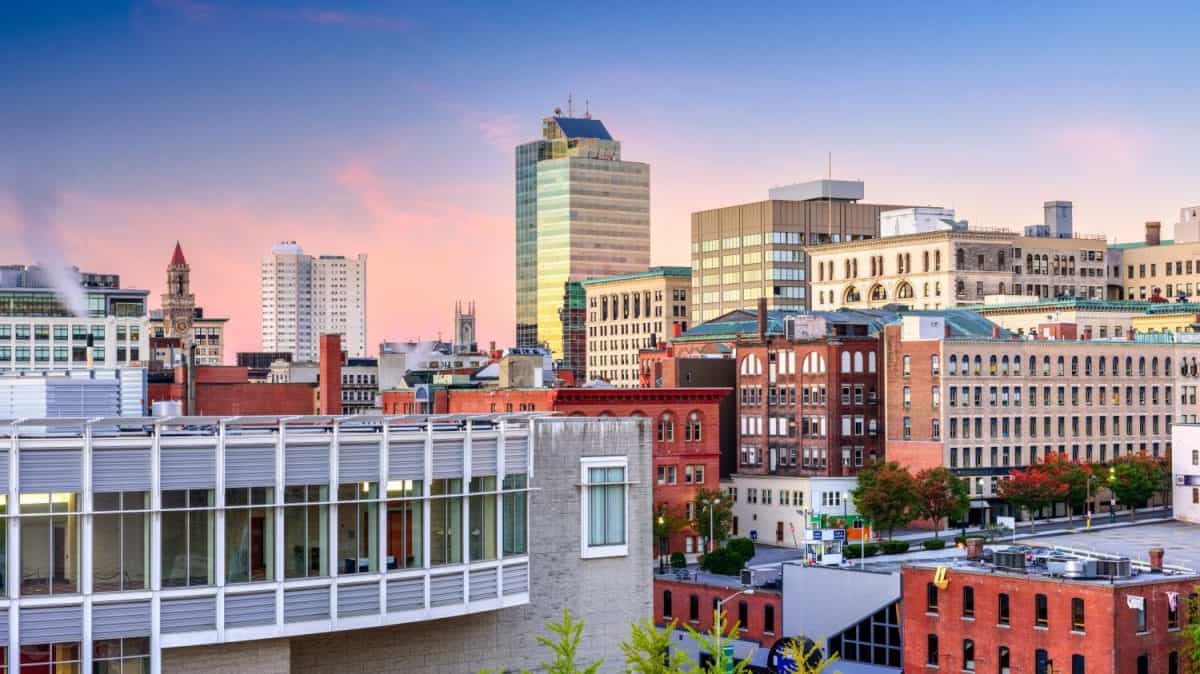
1185	472
776	509
304	297
917	220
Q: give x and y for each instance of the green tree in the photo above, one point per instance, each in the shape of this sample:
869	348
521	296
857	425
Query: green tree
722	514
808	656
711	642
565	648
886	495
941	495
667	521
1191	632
648	650
1137	478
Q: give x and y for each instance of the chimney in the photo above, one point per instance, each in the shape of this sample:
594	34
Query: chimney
190	367
995	332
1153	233
974	546
1156	560
762	319
88	355
947	330
329	385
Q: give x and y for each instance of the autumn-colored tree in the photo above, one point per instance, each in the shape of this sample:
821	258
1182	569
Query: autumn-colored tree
1071	473
887	496
1033	488
941	495
1136	478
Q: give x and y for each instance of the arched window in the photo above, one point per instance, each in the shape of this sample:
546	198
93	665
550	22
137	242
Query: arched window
1000	290
925	261
960	287
953	364
1029	265
1116	366
871	362
937	260
937	289
1062	366
691	430
1004	365
666	428
1087	366
845	361
899	263
1045	366
1102	363
1128	366
1142	366
878	293
992	365
852	295
751	365
1033	366
1074	366
1166	366
978	365
1154	366
858	361
968	659
904	291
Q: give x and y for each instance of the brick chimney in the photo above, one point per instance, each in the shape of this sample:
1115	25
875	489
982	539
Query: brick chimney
1153	233
762	319
974	548
1156	560
329	387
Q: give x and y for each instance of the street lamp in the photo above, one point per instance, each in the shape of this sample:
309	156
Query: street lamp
722	664
662	547
1112	498
711	504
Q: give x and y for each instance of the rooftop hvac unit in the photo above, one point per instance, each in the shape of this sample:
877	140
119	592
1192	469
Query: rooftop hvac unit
747	578
789	328
1114	568
1010	560
1080	568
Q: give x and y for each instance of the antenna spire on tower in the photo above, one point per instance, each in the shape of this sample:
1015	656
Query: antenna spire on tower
570	104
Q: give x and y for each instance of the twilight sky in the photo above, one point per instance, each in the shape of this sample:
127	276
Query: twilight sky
388	128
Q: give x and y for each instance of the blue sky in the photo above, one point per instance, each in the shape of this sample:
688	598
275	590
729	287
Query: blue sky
388	128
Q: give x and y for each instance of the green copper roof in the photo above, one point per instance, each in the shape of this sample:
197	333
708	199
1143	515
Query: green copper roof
1075	303
653	272
1137	244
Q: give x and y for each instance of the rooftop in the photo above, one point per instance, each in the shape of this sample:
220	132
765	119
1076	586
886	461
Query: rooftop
744	323
652	272
582	127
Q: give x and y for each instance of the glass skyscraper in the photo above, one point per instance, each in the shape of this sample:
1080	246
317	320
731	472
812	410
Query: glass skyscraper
581	213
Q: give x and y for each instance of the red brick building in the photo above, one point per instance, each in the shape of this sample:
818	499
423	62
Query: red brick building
227	391
759	615
686	433
990	620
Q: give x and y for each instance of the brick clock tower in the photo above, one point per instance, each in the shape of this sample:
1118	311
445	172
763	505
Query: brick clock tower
178	303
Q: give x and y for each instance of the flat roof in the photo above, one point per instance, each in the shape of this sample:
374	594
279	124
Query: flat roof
1180	541
652	272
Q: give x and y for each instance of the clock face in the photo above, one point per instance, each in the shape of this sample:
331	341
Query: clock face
181	326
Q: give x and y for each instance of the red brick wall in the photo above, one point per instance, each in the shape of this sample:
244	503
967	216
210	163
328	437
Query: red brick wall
485	401
399	402
1109	625
243	398
681	594
330	384
921	411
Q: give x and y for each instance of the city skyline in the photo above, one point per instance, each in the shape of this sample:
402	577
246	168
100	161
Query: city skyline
212	123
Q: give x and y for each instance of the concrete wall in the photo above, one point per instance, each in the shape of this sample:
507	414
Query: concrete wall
607	594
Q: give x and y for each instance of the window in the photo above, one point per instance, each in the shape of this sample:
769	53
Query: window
743	620
1173	662
694	608
968	601
906	363
692	428
769	618
114	656
120	535
358	522
1002	605
49	543
968	663
1143	664
482	544
1041	661
305	531
666	428
516	514
1040	617
1139	615
1077	623
931	650
931	598
445	521
1077	664
405	543
61	657
604	508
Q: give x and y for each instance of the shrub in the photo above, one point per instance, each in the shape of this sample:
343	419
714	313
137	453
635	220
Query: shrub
858	550
678	560
895	547
744	547
934	544
722	561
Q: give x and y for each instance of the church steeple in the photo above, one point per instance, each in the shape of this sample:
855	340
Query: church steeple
177	258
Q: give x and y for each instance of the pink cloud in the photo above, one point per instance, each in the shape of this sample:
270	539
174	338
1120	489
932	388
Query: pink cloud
1102	142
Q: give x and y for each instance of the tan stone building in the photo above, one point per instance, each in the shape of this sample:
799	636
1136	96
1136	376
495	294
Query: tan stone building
631	312
944	269
1171	266
1096	319
747	251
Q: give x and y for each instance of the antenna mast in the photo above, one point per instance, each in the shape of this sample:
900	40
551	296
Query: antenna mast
570	104
829	199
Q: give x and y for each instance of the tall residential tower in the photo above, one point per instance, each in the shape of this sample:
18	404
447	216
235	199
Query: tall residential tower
304	297
581	212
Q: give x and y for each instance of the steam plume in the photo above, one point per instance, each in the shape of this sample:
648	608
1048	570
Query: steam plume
36	199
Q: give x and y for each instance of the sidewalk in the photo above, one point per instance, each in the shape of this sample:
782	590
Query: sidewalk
1049	525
